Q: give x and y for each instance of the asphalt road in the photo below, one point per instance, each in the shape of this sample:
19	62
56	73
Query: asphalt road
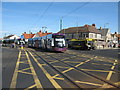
9	58
31	71
110	53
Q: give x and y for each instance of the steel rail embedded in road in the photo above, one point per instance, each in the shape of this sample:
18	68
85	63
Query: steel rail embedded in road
80	70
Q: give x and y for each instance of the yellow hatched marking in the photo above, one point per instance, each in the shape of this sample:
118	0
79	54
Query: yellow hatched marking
72	62
118	83
67	70
62	59
51	60
95	70
38	84
43	64
71	68
24	72
110	73
82	63
14	78
61	67
101	64
89	83
23	57
25	62
30	87
58	78
24	69
54	83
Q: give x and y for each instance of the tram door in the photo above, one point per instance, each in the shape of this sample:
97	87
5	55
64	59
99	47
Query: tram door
36	44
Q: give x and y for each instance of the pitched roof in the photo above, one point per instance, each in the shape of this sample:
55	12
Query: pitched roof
86	28
27	36
7	37
104	31
117	35
43	34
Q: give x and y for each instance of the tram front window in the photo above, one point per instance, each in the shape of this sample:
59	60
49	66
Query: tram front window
59	43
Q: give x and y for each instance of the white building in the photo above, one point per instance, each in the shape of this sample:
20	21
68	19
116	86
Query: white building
12	37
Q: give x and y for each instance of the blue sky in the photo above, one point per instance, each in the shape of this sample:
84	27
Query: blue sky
19	17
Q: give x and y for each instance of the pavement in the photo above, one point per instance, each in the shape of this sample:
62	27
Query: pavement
101	47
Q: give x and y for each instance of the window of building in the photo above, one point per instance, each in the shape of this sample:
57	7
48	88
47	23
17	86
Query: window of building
85	35
91	35
95	35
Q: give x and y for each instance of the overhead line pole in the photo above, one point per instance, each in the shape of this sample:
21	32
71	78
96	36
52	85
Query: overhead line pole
60	24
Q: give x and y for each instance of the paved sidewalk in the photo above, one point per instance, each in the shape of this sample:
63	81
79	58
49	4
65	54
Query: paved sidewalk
101	47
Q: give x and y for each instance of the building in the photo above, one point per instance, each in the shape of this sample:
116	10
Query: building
26	36
115	39
86	31
105	34
12	37
40	34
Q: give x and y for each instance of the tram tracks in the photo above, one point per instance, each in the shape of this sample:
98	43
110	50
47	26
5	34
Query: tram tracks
72	67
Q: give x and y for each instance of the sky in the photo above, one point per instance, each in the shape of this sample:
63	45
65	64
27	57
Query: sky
20	17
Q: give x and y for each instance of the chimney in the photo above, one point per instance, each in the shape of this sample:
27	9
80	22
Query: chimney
115	32
24	32
100	28
86	25
31	33
45	31
93	25
40	31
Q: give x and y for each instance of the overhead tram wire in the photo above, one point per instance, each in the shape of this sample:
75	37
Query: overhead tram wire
75	10
70	12
42	15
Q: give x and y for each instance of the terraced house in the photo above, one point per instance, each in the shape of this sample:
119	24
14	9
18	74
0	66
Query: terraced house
83	32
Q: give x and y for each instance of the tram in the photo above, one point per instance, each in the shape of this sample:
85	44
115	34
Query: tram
52	42
8	42
81	44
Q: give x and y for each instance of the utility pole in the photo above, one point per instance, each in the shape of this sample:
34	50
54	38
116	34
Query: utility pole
77	36
60	24
43	28
29	33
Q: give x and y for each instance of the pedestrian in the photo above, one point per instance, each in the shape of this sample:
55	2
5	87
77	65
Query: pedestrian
103	46
12	45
